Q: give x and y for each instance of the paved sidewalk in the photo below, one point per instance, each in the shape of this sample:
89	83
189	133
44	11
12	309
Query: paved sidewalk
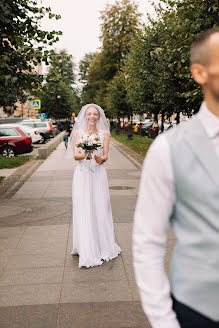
41	285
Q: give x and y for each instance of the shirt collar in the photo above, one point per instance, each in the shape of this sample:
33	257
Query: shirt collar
209	121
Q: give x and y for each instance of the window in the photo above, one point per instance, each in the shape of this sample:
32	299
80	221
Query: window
29	124
8	132
40	125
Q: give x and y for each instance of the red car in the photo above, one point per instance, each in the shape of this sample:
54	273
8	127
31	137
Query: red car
13	142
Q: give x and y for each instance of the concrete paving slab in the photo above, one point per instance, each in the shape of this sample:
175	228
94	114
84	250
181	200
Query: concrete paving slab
17	277
123	233
135	291
37	261
8	210
35	210
123	207
52	239
129	271
108	271
29	316
7	172
9	237
142	319
29	294
116	159
98	291
99	315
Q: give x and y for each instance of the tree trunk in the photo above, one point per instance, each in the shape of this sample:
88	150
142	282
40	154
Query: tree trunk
177	117
162	121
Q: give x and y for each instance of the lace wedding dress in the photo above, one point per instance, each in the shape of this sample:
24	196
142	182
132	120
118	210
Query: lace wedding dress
93	230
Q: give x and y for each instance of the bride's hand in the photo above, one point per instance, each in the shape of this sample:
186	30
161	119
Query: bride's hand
100	159
89	154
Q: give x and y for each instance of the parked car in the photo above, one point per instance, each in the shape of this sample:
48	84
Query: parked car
31	132
13	141
44	128
144	128
10	120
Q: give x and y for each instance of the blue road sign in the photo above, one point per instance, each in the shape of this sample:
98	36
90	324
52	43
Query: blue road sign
36	104
43	116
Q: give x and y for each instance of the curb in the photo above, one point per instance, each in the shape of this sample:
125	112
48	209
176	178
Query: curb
46	150
136	159
14	182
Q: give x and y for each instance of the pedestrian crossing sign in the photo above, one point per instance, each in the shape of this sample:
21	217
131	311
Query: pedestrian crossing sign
36	104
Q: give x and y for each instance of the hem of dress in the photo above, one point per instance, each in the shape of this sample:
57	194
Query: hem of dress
106	258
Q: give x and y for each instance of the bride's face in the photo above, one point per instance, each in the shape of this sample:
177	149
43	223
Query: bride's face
92	115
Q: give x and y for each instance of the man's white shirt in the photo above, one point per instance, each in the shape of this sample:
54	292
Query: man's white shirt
154	207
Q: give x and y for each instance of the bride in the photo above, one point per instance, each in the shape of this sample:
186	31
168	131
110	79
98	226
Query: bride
93	231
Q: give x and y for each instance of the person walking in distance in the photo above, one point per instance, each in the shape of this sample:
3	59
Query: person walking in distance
180	185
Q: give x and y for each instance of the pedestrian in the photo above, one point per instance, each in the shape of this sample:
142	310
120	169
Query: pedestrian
65	137
180	185
93	231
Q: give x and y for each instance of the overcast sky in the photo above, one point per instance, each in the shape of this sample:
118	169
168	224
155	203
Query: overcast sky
80	23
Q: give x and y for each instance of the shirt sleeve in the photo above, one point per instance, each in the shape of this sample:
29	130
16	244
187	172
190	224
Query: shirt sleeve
154	207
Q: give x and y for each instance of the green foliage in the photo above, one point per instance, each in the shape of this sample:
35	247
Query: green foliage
116	99
61	68
158	67
11	162
1	178
58	97
120	25
84	67
59	100
139	144
23	45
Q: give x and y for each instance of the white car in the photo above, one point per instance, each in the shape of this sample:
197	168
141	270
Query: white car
44	127
31	132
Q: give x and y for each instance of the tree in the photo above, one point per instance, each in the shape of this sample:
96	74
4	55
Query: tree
62	68
120	25
23	45
84	66
59	97
158	67
58	100
116	99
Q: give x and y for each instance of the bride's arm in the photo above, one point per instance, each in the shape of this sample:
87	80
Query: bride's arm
77	155
104	157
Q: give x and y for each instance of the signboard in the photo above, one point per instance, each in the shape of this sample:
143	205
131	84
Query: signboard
36	104
43	116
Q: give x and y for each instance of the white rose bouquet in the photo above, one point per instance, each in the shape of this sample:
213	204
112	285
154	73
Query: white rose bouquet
89	143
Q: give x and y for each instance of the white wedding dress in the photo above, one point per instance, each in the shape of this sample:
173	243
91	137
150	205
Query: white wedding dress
93	230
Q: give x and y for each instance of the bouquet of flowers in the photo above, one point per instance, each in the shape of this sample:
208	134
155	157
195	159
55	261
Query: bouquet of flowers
89	143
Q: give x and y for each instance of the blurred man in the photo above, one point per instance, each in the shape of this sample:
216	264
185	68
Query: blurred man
180	185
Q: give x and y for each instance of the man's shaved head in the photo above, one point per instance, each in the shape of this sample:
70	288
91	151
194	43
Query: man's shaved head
200	51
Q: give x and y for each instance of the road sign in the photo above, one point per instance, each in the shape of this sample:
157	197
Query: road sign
43	116
36	104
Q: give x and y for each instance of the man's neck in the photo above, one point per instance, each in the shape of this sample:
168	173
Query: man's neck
212	105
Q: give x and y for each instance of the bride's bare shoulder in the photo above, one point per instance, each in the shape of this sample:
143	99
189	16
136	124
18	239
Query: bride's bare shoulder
106	134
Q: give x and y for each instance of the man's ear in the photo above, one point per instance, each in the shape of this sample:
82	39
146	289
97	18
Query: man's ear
199	73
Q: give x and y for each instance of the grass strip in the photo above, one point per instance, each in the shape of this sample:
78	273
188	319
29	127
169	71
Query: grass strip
10	162
139	144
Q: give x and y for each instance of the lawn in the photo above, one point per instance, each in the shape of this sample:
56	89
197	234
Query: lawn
139	144
10	162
